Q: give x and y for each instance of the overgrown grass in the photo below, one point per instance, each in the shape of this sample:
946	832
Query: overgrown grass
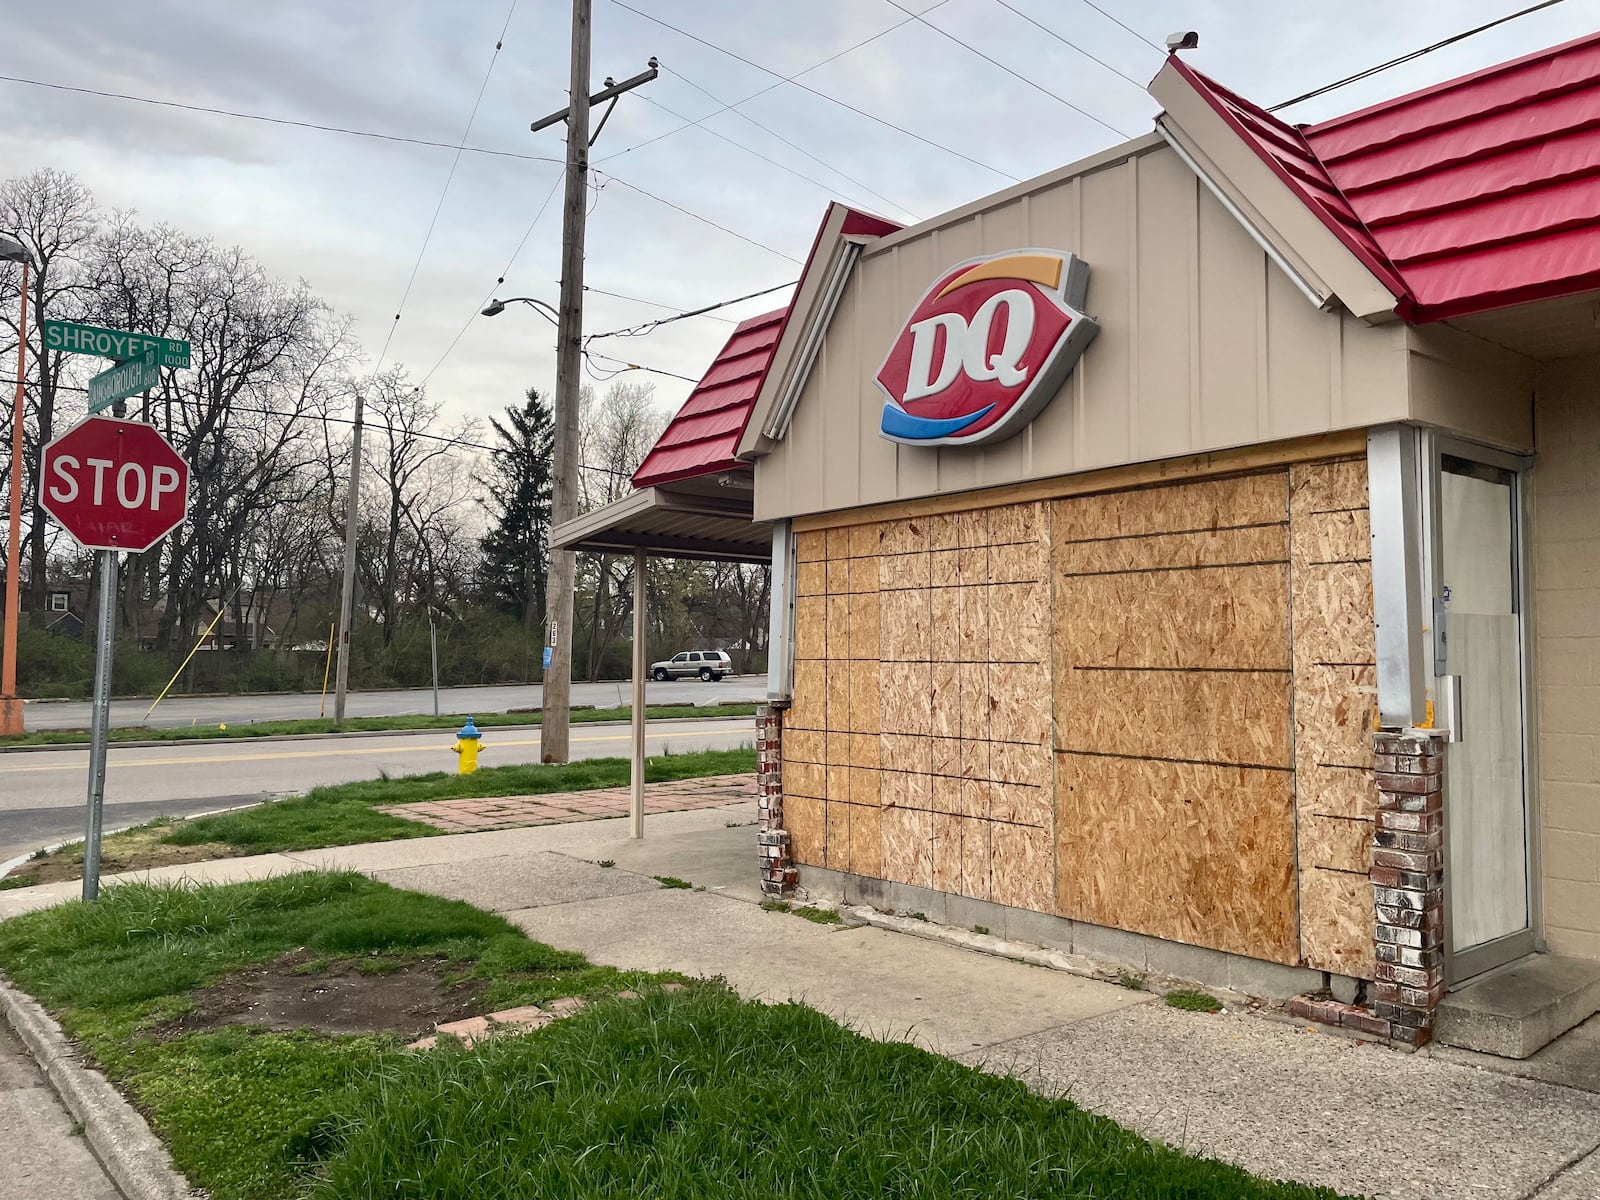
260	729
346	814
1193	1000
672	1095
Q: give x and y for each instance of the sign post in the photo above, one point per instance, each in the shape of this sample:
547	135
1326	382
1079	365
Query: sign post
115	486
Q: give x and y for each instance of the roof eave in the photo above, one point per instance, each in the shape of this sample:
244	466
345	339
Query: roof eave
1277	215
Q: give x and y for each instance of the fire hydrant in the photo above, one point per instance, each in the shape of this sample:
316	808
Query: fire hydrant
466	748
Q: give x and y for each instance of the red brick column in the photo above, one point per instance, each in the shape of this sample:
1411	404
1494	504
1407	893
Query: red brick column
1408	883
772	842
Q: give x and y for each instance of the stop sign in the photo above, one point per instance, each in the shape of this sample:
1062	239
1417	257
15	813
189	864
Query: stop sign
114	485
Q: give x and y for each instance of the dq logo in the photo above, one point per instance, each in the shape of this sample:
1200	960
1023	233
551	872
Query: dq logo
986	348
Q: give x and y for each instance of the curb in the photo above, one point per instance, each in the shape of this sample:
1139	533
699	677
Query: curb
246	739
131	1154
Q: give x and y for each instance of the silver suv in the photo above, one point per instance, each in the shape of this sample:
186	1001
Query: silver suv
710	665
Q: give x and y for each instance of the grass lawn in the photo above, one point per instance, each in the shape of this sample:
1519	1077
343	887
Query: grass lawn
258	729
346	814
674	1095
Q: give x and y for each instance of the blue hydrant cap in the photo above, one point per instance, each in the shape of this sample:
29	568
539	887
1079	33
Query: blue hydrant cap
469	730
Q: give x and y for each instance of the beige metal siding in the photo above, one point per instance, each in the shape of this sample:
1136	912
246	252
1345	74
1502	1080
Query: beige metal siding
1471	387
1203	345
1566	579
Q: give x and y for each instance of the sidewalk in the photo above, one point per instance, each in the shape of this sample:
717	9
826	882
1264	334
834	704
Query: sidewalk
1276	1098
44	1159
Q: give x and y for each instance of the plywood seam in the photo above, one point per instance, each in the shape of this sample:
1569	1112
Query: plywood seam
1193	762
1129	537
1256	562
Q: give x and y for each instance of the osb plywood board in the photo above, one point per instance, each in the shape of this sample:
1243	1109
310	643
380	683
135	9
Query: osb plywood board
1336	921
1329	486
811	627
977	853
1012	523
903	537
1330	537
1334	710
899	571
1207	504
1218	617
838	541
1333	613
1239	718
1021	872
802	745
1019	616
1335	791
802	778
1019	703
811	546
866	714
865	616
946	852
811	578
1168	551
837	638
905	699
866	841
1191	853
808	710
905	620
838	840
1025	563
1335	842
804	818
907	841
865	540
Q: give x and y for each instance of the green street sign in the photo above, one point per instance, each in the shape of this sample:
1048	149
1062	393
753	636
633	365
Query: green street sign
124	380
113	343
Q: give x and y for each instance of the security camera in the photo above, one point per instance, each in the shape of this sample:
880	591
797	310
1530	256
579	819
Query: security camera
1182	41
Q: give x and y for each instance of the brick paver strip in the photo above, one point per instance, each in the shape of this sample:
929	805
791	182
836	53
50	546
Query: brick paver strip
510	812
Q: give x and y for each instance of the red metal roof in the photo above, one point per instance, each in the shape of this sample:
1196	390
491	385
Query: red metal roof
1477	193
706	431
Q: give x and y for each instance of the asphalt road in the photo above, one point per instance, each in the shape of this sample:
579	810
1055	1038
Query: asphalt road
42	793
237	710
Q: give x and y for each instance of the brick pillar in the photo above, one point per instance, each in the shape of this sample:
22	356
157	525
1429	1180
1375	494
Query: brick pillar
772	843
1408	883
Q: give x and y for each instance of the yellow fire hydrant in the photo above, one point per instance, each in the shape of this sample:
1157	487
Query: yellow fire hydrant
466	748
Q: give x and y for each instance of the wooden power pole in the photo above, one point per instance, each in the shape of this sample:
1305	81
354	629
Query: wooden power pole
554	726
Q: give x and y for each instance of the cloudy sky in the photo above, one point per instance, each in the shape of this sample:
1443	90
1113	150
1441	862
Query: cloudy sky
349	213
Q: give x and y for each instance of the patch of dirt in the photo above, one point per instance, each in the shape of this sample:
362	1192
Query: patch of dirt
135	850
284	995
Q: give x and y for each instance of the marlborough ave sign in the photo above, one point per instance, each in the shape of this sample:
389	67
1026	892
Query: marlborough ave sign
113	343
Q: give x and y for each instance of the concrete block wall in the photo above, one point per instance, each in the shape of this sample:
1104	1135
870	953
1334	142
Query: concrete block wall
1566	579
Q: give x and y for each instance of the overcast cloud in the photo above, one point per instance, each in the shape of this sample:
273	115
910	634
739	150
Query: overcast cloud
349	214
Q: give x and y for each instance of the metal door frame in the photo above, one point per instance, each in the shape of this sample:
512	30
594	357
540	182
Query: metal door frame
1461	967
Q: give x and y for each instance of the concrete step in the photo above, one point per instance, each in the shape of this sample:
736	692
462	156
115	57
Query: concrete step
1516	1011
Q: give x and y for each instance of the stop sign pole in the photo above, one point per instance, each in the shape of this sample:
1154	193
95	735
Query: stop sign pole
115	486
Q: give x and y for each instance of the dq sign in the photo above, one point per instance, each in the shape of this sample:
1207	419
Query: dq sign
986	348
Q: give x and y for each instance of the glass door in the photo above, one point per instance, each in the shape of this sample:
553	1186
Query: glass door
1478	587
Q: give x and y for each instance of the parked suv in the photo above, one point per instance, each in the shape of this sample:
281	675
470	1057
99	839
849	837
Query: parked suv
710	665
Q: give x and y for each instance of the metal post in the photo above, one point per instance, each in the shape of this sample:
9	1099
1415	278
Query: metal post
433	653
641	664
342	678
10	706
99	721
556	699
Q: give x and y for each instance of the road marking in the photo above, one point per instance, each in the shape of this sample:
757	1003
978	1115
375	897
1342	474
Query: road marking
6	768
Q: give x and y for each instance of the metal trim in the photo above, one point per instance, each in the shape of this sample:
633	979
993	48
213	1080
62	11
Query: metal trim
1399	615
811	346
1321	300
780	629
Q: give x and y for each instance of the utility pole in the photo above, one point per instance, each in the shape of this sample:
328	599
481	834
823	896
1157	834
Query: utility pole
556	701
346	594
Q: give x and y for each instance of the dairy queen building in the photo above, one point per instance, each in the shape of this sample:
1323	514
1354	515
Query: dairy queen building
1190	558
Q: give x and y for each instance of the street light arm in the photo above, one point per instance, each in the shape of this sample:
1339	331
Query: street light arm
497	306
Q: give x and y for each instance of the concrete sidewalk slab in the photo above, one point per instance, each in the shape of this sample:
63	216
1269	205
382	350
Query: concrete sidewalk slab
45	1159
1581	1181
1285	1102
883	984
518	880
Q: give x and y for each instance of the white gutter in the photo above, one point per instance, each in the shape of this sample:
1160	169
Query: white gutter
1321	299
812	345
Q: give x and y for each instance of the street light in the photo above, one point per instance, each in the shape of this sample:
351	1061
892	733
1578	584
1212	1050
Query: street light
556	690
497	306
12	250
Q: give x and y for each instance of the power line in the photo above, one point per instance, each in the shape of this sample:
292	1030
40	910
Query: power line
813	91
638	330
633	187
1120	25
445	191
781	80
504	271
626	366
1065	41
248	116
651	303
770	132
1405	58
829	188
1038	87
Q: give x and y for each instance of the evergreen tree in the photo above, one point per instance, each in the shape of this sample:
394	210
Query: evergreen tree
515	551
